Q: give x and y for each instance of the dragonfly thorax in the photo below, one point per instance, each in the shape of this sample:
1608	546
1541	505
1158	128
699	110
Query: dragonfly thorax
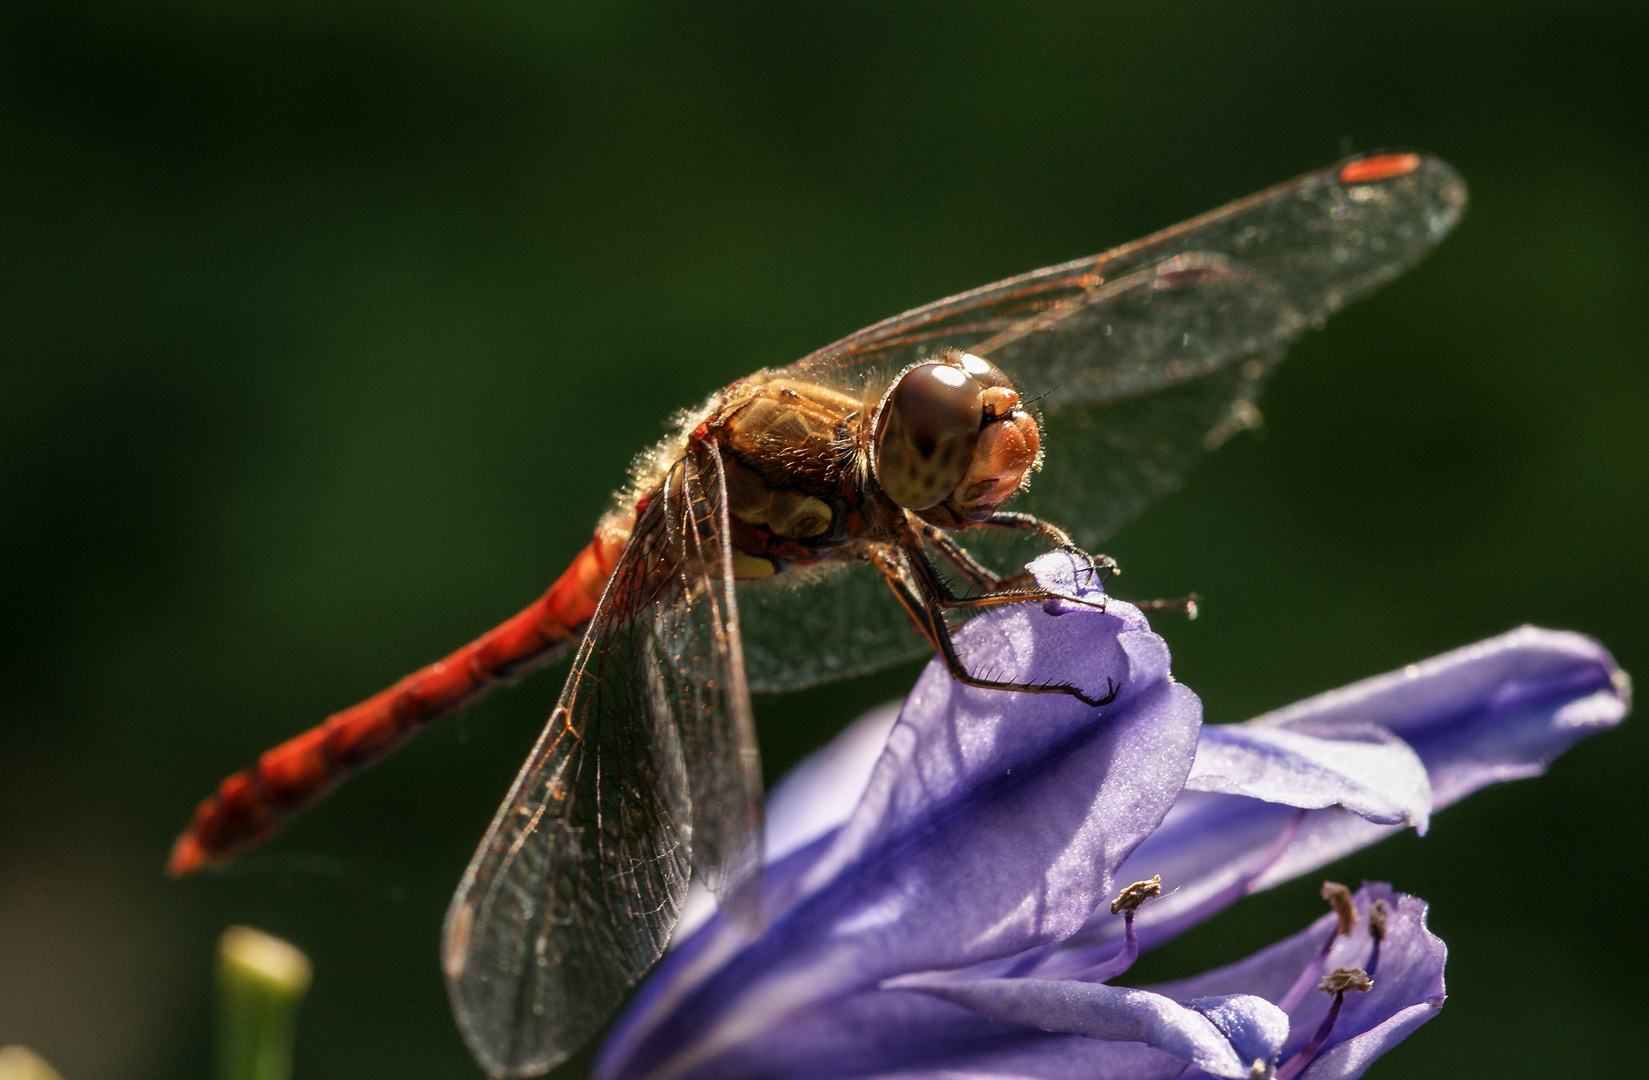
951	441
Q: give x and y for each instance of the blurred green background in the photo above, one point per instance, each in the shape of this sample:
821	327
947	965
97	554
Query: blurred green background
329	327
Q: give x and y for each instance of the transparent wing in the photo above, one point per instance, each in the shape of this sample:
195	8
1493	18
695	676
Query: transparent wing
1142	358
704	679
835	623
646	773
1154	351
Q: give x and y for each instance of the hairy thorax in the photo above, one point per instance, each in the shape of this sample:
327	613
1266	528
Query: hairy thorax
794	459
814	474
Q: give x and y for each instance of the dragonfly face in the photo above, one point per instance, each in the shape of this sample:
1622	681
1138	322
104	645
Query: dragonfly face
952	442
866	463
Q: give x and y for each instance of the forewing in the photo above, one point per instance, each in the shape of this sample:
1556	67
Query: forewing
702	676
646	772
1152	352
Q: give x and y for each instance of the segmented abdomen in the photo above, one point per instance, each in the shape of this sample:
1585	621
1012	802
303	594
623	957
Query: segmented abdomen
254	803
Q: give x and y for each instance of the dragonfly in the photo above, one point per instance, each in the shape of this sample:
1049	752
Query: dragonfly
815	521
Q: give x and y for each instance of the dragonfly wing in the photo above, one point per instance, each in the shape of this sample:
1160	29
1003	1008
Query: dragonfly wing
1192	318
702	680
646	773
1110	459
834	623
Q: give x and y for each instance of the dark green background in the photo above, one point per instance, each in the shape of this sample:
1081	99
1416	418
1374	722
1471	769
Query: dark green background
327	329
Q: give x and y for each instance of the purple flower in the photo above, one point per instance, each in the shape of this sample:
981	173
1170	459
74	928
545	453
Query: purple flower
939	893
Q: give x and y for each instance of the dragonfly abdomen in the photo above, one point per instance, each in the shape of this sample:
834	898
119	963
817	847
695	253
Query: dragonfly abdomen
256	802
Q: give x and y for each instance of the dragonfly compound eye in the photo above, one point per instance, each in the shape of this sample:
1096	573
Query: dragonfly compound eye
925	433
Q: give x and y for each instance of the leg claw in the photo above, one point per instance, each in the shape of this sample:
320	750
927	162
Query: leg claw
1101	568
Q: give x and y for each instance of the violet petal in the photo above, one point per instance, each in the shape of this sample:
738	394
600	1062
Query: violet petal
1409	974
1350	1059
1501	709
908	1035
993	822
1367	770
1255	1033
1117	1013
1050	1057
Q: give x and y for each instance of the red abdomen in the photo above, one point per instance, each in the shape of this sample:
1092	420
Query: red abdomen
253	804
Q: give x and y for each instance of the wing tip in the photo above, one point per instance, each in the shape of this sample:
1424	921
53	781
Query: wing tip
1429	180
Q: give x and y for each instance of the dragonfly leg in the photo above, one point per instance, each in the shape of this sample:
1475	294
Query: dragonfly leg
1102	567
1098	564
936	586
1187	604
974	572
919	589
996	588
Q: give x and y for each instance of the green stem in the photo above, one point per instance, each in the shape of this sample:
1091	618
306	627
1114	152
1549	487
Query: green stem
261	983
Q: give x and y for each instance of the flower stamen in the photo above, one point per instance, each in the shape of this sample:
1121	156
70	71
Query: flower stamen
1126	903
1133	896
1336	982
1166	928
1339	898
1342	979
1378	914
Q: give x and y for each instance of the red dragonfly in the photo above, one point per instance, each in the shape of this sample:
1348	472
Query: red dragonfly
791	530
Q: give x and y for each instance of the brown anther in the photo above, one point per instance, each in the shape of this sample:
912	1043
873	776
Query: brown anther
1136	894
1339	898
1378	913
1340	980
999	400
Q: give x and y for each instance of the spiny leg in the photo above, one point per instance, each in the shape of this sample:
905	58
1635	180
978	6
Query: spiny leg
1003	594
1187	603
1100	567
999	589
918	594
1098	564
974	572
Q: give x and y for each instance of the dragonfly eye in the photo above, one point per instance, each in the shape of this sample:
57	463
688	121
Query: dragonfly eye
987	373
925	432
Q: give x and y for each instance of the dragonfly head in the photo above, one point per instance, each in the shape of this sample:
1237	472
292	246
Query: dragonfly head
952	441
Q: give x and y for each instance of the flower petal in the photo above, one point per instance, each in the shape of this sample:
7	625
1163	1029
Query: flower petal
1350	1059
955	738
1256	1033
1050	1057
1407	975
990	820
1117	1013
810	801
891	1033
1365	769
993	822
1502	709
